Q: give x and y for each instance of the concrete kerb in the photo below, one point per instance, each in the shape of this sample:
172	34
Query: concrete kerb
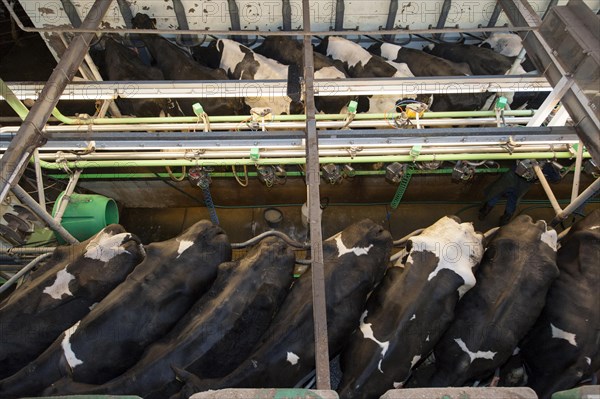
461	393
275	393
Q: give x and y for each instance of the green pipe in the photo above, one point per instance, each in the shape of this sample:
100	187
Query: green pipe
279	118
104	176
13	101
302	160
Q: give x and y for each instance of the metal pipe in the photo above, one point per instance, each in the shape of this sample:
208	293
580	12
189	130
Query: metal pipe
443	17
517	62
71	12
577	175
552	4
64	201
30	135
495	15
547	189
42	214
404	239
340	11
24	270
266	234
391	19
234	17
302	160
25	250
13	101
563	233
39	179
263	33
313	180
579	201
286	11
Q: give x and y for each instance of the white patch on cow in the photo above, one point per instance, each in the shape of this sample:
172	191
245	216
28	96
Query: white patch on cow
329	72
93	305
343	250
183	246
292	358
427	339
508	44
106	246
231	55
345	50
474	355
550	238
414	361
594	227
60	286
389	51
254	363
402	70
457	247
588	361
414	316
398	385
430	46
367	332
561	334
66	346
516	351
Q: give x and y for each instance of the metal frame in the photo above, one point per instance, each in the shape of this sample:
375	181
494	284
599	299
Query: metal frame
31	134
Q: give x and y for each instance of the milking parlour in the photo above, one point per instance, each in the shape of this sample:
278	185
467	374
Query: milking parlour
300	199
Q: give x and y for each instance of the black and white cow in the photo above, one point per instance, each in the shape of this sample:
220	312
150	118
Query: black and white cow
361	64
175	65
218	332
290	52
518	267
410	309
355	261
424	64
241	63
563	348
121	63
76	277
142	309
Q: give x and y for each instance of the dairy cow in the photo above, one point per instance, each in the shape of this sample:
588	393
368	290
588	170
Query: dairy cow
135	314
355	261
218	332
175	65
289	52
75	278
513	278
121	63
242	63
562	349
361	64
507	44
423	64
410	309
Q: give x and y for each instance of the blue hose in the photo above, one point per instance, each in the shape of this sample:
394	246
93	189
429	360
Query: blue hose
210	205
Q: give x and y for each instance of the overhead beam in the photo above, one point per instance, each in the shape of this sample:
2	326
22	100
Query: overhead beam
30	135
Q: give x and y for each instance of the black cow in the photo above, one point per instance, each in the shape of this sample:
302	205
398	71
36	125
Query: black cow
517	269
135	314
75	278
121	63
410	309
290	52
241	63
424	64
175	65
361	64
563	348
355	261
218	332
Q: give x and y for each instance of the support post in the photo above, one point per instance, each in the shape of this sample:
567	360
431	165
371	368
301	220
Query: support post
340	10
577	176
560	118
578	202
39	179
64	201
286	11
548	105
30	135
547	188
391	20
314	211
42	214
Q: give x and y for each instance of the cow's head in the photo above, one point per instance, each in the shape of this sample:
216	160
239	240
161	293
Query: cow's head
143	21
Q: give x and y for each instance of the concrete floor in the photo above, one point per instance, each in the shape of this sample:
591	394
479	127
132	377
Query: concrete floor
242	224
